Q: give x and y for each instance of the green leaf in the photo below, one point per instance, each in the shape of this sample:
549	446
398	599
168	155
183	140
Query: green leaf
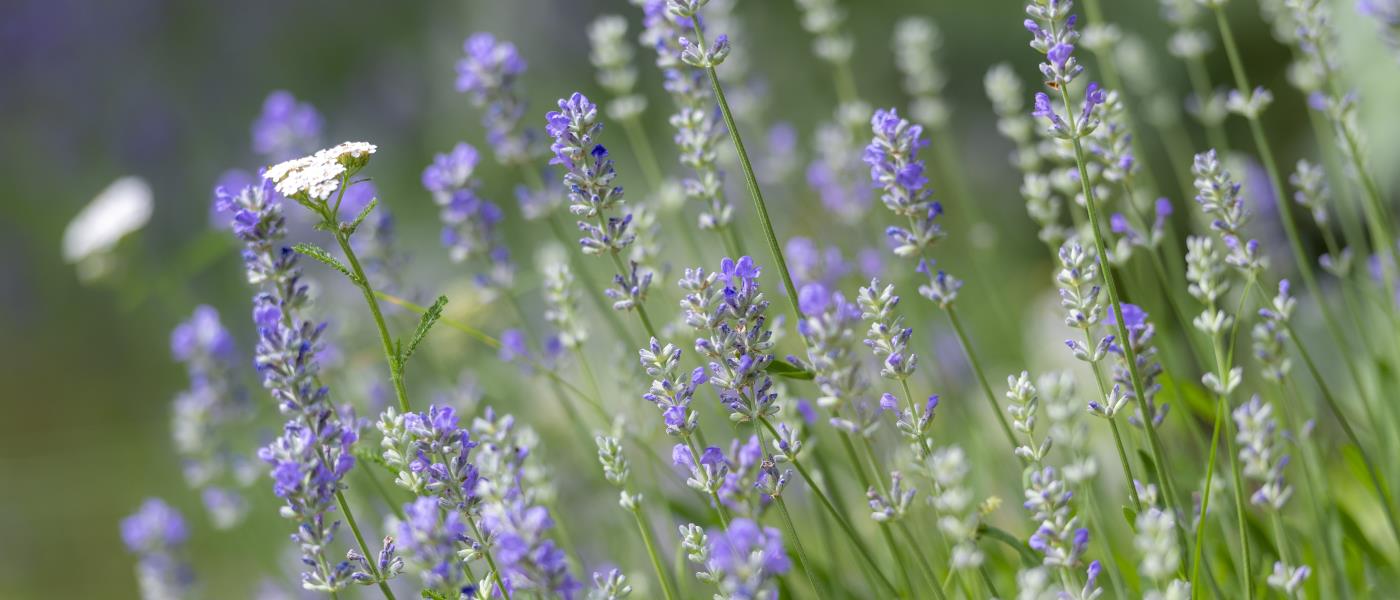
320	254
1150	468
425	323
370	455
1028	558
355	225
1197	400
788	370
1130	516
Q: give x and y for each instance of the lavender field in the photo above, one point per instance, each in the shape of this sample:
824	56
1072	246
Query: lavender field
673	299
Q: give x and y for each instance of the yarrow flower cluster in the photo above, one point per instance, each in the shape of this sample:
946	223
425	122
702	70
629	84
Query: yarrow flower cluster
156	534
727	309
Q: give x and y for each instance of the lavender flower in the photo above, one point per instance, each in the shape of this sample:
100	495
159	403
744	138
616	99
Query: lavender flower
1387	15
1271	333
892	506
561	300
1052	33
431	453
204	415
916	42
610	586
431	538
837	174
488	75
895	167
1079	296
698	132
1219	197
828	330
1112	143
1312	191
1157	553
1257	434
887	337
156	534
1140	333
470	223
810	264
727	309
671	390
1289	580
512	490
612	56
952	500
312	454
823	19
286	128
747	558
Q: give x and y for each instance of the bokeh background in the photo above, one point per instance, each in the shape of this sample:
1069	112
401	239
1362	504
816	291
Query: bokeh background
90	91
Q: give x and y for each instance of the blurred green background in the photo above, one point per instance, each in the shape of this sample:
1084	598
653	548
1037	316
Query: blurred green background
90	91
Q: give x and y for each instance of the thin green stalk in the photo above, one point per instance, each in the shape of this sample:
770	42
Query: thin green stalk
1266	156
667	587
1113	425
342	237
924	566
594	295
646	159
360	539
981	374
861	549
802	560
1130	354
1223	361
490	561
1109	66
1336	566
1377	483
1200	84
759	207
895	555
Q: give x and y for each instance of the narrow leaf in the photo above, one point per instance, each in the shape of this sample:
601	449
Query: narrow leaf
355	225
320	254
788	370
430	317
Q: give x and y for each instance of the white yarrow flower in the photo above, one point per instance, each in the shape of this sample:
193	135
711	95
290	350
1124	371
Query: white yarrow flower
318	176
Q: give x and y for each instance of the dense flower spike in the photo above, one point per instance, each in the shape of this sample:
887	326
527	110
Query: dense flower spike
747	558
589	175
671	390
1157	555
916	42
206	416
471	223
1219	196
727	309
1140	334
1258	438
887	337
431	538
893	156
156	534
953	501
488	75
837	172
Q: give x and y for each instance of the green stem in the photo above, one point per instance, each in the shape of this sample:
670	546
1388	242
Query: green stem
861	548
490	561
360	539
981	375
1130	354
594	295
759	207
1266	156
395	367
651	168
1113	425
802	560
925	567
667	587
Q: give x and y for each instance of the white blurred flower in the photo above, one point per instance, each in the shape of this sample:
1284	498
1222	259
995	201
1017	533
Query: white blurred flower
122	208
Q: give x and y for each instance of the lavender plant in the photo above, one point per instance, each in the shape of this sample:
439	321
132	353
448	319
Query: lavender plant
779	424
